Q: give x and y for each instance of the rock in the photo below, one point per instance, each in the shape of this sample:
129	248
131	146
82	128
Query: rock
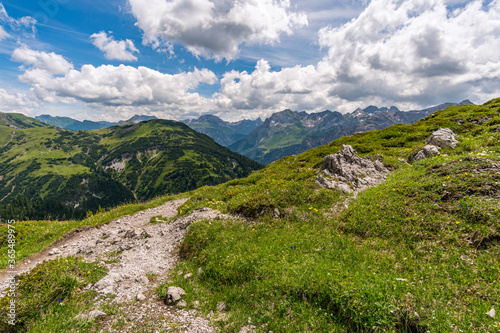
426	152
143	279
132	233
96	314
200	271
498	129
182	304
141	297
144	234
187	276
115	240
54	251
444	138
492	313
174	294
348	172
221	306
196	304
247	329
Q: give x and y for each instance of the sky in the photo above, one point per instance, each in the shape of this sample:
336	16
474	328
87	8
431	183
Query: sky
180	59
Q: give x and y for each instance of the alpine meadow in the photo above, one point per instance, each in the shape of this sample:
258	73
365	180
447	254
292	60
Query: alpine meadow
255	166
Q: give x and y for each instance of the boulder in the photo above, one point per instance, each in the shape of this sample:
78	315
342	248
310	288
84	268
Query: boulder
444	138
426	152
348	172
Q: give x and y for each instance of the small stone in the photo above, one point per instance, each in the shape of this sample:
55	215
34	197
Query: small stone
54	251
174	294
200	271
143	279
144	234
96	314
182	304
141	297
187	276
221	306
196	304
247	329
400	279
492	313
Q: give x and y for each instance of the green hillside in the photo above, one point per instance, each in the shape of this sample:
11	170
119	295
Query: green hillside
47	170
18	121
418	253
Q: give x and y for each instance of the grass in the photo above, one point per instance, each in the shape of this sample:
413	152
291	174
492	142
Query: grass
52	295
417	253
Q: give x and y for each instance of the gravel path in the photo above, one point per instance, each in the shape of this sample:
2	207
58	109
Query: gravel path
140	256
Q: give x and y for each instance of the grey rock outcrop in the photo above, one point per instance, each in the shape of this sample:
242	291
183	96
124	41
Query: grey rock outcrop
426	152
348	172
444	138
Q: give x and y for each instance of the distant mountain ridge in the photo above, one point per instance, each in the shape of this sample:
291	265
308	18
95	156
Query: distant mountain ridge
88	125
291	132
223	132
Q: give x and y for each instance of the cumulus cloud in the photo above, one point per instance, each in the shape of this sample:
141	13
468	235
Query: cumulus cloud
115	50
112	85
48	62
214	28
17	102
410	53
414	50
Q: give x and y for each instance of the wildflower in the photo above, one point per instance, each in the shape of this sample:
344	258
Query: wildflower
253	229
458	222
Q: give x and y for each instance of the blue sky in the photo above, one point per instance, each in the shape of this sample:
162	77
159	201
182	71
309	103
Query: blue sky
177	59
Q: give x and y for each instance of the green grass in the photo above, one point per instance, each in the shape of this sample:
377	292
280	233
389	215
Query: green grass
417	253
51	296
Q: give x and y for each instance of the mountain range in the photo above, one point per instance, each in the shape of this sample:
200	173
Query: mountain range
76	125
290	132
67	173
223	132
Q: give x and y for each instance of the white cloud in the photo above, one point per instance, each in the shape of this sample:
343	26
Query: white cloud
409	53
415	51
49	62
17	102
214	29
3	33
113	85
10	24
115	50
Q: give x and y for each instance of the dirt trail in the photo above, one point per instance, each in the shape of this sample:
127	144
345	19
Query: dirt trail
139	256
